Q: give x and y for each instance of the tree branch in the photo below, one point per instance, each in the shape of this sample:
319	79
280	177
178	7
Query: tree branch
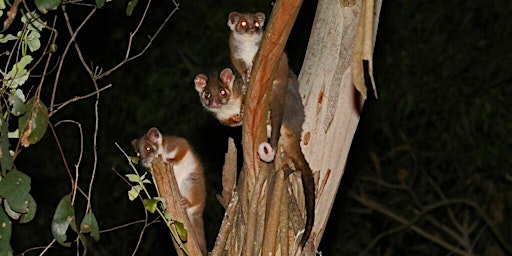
256	108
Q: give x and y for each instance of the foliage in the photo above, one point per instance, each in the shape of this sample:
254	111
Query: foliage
32	117
30	108
154	204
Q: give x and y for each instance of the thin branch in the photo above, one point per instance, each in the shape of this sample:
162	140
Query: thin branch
124	226
151	38
383	210
47	247
132	34
77	165
66	49
73	184
77	98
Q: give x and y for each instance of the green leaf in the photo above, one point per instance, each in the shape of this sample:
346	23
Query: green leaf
131	6
5	234
18	74
100	3
34	22
64	215
168	215
182	232
14	215
19	94
32	208
18	106
133	178
14	187
34	122
24	61
6	38
5	156
90	225
151	204
14	135
33	40
134	159
134	192
44	5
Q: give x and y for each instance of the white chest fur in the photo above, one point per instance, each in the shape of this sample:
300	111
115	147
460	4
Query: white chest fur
183	168
247	45
233	107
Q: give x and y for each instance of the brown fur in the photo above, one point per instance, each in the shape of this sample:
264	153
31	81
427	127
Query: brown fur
187	169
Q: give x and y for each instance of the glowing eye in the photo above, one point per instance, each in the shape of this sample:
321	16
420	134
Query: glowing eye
223	92
257	24
207	95
243	23
148	149
138	154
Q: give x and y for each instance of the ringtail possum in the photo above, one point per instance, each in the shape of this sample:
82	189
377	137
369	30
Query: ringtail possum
221	94
244	40
292	116
285	105
187	169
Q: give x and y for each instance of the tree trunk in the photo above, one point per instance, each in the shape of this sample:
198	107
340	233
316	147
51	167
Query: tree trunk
332	104
264	213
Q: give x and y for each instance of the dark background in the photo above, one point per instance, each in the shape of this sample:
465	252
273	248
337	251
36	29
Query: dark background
443	75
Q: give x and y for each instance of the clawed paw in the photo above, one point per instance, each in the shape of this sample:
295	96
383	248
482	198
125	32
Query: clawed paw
266	152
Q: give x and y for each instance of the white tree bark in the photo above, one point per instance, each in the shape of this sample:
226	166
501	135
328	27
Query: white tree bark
332	104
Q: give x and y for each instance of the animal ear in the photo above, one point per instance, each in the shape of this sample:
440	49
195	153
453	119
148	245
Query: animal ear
261	18
233	19
200	82
154	135
227	77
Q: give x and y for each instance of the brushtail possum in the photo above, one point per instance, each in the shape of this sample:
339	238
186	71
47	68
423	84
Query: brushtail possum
187	169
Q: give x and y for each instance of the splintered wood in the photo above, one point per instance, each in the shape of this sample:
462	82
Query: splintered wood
363	48
165	181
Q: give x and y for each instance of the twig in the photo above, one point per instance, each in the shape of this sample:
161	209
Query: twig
77	98
378	207
62	155
47	247
77	165
66	49
124	226
132	34
151	38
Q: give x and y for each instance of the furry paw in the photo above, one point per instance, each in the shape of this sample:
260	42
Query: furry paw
266	152
184	202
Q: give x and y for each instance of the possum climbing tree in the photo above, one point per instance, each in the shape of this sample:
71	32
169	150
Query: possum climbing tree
341	40
264	207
